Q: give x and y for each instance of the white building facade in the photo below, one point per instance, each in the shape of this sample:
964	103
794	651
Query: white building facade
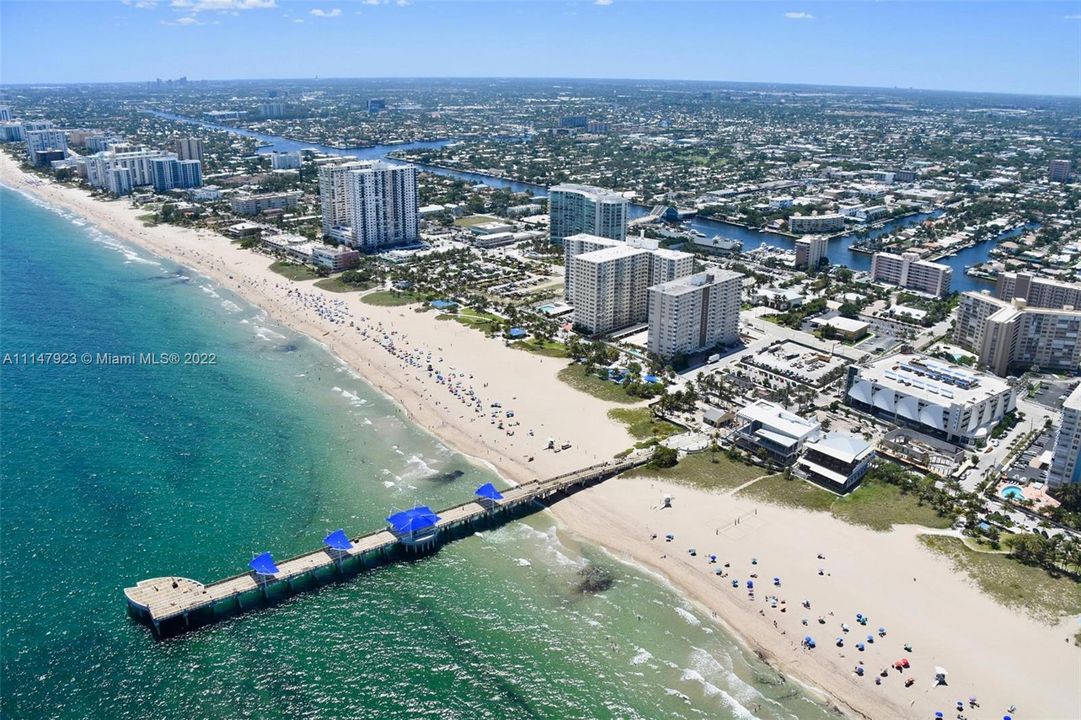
694	313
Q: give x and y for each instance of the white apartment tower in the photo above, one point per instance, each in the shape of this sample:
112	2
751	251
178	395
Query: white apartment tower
694	313
810	251
910	272
333	195
382	204
1066	459
574	209
609	284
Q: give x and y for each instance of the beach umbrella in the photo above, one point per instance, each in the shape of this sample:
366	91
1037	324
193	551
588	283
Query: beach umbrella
713	558
859	646
840	642
777	581
669	537
735	583
939	715
692	551
882	632
754	561
870	638
718	571
750	584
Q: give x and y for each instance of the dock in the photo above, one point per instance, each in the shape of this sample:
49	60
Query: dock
175	604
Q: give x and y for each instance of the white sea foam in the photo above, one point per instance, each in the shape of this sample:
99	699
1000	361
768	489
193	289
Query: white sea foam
388	484
709	666
522	562
230	306
686	615
712	690
677	693
642	656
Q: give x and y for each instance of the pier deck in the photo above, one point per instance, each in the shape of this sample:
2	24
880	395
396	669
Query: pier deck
166	598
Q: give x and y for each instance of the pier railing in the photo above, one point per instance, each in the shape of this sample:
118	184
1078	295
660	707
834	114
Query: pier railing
173	604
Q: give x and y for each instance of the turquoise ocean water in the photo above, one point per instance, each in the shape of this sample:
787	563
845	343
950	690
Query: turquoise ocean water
111	474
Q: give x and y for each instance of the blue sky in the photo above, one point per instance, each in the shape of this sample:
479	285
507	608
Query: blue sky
990	45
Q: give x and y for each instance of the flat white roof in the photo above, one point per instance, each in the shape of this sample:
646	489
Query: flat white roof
933	380
777	419
842	323
610	253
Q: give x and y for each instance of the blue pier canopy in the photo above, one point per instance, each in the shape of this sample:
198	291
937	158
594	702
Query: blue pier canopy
412	521
487	490
338	540
264	565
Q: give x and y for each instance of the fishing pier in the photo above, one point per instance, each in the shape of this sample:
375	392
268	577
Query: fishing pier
171	605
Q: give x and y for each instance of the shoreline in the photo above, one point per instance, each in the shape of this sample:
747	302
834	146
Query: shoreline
613	515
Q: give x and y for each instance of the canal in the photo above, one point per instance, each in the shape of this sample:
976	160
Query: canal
839	253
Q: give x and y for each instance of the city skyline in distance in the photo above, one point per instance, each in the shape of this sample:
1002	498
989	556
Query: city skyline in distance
998	47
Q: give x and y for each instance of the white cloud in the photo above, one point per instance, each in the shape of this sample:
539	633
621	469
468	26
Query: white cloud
222	5
372	2
317	12
141	4
799	16
1072	17
186	21
403	3
602	2
298	21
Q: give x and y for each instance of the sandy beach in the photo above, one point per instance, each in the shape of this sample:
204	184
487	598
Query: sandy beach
1000	656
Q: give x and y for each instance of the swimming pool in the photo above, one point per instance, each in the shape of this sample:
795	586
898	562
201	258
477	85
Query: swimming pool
1011	492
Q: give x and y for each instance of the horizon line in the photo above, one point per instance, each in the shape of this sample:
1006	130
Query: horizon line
318	78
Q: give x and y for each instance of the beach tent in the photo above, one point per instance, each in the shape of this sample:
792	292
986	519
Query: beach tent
338	540
263	565
488	491
516	332
412	521
809	641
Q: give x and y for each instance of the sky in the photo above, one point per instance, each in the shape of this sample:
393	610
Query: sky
1030	47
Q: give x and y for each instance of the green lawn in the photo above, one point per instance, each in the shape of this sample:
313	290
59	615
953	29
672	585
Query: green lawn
575	376
880	506
293	271
701	471
642	424
485	322
471	220
335	284
549	348
391	297
1018	586
792	493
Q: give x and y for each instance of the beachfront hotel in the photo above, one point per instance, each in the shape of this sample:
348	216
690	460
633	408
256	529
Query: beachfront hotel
574	209
1066	458
1009	337
940	399
908	271
694	313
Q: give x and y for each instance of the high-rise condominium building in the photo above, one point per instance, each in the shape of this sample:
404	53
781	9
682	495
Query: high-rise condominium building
694	313
170	173
810	251
189	149
5	113
44	143
574	209
609	288
826	223
1037	291
1059	171
138	163
1066	458
285	161
909	272
334	197
1010	337
383	209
